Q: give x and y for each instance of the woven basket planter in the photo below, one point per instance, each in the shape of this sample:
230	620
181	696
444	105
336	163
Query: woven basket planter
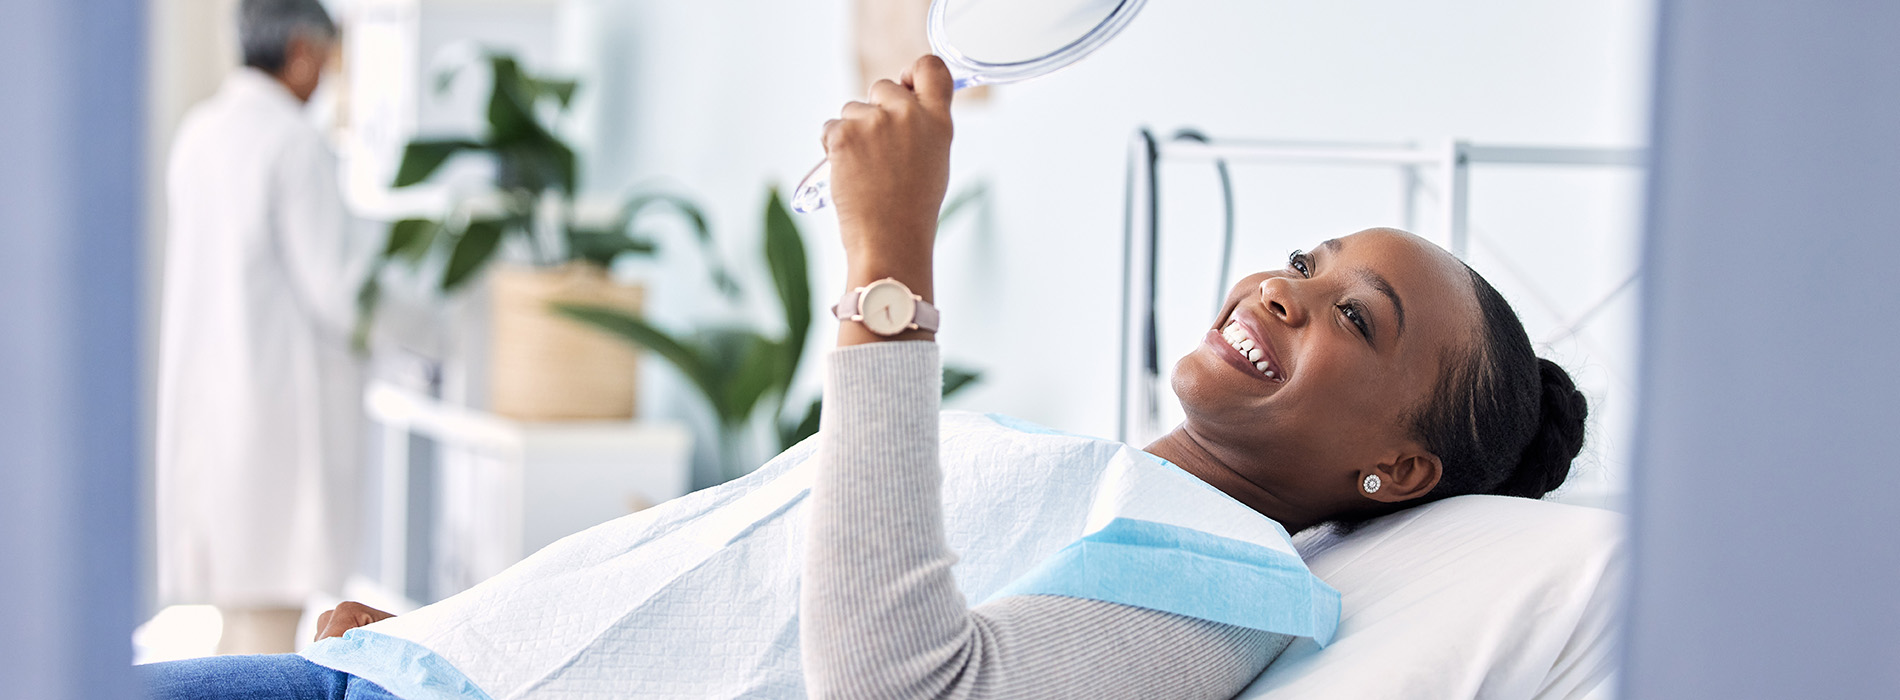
545	367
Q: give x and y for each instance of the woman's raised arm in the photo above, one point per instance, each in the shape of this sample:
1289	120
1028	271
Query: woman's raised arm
881	615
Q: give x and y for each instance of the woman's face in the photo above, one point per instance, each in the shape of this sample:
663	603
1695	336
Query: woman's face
1336	351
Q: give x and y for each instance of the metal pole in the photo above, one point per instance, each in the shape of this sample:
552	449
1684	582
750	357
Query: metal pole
1408	197
1455	209
1555	155
1136	419
395	508
1342	154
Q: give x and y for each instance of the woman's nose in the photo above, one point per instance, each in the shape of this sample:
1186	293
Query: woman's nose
1282	300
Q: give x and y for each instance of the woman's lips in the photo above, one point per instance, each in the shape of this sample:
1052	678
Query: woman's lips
1243	350
1251	325
1228	354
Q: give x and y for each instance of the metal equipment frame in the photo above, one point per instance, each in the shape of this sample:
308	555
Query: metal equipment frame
1450	161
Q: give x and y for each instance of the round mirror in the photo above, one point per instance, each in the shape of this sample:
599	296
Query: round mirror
994	41
985	42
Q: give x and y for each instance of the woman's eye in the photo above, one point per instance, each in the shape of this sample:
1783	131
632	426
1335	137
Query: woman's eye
1301	262
1357	316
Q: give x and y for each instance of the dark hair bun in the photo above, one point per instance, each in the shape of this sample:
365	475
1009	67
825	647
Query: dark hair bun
1545	462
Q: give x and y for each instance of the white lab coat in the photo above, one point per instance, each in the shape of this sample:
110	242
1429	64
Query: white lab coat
259	396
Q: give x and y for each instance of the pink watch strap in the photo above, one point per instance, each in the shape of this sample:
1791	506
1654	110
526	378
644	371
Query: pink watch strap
925	317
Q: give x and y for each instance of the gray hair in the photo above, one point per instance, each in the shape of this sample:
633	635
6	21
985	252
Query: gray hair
265	28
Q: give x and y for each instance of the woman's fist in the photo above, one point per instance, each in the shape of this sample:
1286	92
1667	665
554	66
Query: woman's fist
890	163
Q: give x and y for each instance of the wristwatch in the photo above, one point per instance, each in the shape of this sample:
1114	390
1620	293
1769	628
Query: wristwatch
886	307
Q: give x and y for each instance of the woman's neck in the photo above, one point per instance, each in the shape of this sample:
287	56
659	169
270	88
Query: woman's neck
1193	455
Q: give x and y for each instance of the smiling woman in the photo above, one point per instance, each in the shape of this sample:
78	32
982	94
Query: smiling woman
905	553
1317	381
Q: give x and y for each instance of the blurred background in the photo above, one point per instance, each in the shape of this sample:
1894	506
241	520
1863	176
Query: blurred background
538	184
553	284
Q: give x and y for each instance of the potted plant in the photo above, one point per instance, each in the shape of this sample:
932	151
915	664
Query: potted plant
543	367
745	373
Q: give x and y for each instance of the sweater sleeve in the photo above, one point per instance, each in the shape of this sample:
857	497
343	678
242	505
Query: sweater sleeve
881	615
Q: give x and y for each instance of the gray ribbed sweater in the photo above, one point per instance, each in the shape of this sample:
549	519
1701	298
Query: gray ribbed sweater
881	616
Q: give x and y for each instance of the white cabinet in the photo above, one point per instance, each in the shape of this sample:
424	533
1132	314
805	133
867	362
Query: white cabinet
508	488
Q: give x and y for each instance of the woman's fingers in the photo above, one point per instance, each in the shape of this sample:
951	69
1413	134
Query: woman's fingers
930	80
858	110
825	134
835	128
890	164
323	623
887	94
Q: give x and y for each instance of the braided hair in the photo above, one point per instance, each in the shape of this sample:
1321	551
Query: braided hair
1502	420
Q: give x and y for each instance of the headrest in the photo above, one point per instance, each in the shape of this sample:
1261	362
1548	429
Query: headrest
1485	597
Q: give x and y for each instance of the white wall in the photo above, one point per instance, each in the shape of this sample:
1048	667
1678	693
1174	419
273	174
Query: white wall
723	98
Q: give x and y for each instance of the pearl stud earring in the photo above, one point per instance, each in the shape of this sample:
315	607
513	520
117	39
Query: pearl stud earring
1372	483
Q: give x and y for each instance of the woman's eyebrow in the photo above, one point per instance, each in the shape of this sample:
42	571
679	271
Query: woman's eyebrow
1379	282
1374	279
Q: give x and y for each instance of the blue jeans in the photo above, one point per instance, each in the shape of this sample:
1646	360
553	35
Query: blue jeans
272	677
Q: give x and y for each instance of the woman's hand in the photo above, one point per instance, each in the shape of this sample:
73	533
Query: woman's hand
347	616
890	164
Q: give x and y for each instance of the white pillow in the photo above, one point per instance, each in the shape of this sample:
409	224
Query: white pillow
1484	597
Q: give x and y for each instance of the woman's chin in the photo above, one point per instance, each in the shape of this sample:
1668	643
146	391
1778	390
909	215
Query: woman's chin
1204	380
1224	363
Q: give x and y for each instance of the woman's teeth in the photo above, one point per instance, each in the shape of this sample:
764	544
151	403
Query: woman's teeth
1237	337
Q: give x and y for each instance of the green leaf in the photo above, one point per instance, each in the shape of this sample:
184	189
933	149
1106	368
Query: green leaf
752	365
566	165
445	78
685	358
410	239
698	358
978	193
789	435
472	251
422	157
510	103
536	163
602	246
368	297
562	91
725	282
785	255
696	220
956	379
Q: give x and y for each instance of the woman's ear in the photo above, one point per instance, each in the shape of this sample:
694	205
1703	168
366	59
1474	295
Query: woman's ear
1410	476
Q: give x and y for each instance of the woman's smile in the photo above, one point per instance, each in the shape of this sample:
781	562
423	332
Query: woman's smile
1242	343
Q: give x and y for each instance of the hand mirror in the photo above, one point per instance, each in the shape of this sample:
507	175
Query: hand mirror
986	42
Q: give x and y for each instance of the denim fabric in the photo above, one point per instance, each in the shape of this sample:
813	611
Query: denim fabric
262	677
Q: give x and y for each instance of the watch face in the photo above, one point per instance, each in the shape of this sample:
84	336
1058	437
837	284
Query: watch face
887	308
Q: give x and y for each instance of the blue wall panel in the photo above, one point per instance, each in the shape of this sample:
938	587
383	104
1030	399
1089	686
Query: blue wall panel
71	144
1767	534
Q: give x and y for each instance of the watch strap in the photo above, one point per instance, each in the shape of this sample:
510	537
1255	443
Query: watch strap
924	317
927	317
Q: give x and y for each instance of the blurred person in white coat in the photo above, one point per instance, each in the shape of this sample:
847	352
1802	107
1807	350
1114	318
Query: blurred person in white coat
259	396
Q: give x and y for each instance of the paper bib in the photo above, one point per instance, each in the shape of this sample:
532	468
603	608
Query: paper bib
698	597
